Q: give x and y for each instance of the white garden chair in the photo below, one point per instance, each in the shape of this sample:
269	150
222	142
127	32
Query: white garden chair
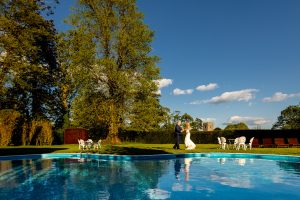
81	143
241	142
97	145
220	143
223	143
250	143
89	143
236	142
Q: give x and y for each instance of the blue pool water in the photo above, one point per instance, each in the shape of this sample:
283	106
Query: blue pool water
199	176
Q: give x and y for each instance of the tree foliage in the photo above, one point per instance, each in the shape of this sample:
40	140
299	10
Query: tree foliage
197	124
239	126
8	122
28	59
28	67
186	117
112	67
99	75
289	118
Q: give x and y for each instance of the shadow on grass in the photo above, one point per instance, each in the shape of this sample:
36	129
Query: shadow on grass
132	151
24	151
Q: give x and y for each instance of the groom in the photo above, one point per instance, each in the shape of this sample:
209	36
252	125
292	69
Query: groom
177	135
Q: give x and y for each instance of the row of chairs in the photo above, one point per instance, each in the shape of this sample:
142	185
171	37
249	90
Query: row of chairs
254	142
241	141
238	143
89	144
277	142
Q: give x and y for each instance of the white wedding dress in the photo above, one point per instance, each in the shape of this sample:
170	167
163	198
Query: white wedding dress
189	144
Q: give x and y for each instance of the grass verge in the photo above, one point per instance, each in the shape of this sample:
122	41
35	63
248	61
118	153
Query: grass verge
140	149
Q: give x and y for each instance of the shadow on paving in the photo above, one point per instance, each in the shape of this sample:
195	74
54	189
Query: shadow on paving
132	151
24	151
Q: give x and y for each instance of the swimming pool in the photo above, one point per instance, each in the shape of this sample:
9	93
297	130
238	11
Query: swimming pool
184	176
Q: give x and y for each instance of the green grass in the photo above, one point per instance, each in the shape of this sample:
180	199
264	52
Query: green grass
140	149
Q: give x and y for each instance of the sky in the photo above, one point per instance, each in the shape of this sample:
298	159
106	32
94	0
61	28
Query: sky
225	61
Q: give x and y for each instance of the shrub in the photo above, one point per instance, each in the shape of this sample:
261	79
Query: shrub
40	133
8	121
45	137
203	137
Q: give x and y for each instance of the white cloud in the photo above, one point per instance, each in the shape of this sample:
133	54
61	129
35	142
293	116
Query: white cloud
294	95
161	83
208	119
210	86
279	96
178	91
240	95
164	82
197	102
251	121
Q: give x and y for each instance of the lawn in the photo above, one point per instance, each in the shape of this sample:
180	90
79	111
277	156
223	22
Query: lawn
139	149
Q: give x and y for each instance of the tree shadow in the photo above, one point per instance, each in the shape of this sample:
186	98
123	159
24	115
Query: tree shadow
25	151
132	151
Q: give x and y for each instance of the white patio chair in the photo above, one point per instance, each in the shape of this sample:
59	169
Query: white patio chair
89	144
241	142
250	143
97	145
220	143
236	142
81	143
223	143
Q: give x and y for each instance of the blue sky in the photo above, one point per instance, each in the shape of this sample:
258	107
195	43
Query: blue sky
242	55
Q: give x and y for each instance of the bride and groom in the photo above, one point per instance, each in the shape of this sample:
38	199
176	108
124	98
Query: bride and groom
189	144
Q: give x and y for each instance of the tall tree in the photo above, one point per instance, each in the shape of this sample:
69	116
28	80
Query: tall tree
67	89
186	117
147	116
197	124
238	126
111	63
289	118
28	59
176	116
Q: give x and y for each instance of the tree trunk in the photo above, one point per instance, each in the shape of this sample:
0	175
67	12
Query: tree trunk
112	136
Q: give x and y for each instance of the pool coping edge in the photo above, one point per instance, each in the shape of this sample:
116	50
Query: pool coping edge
289	158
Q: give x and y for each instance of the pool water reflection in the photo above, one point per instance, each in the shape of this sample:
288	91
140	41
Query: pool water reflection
185	178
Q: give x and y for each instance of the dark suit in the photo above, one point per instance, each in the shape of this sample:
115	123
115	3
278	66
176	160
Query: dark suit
177	167
177	136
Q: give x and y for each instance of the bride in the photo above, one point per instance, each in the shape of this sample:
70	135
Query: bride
189	144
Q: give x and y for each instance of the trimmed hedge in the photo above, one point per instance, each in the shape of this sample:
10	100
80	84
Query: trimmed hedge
205	137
